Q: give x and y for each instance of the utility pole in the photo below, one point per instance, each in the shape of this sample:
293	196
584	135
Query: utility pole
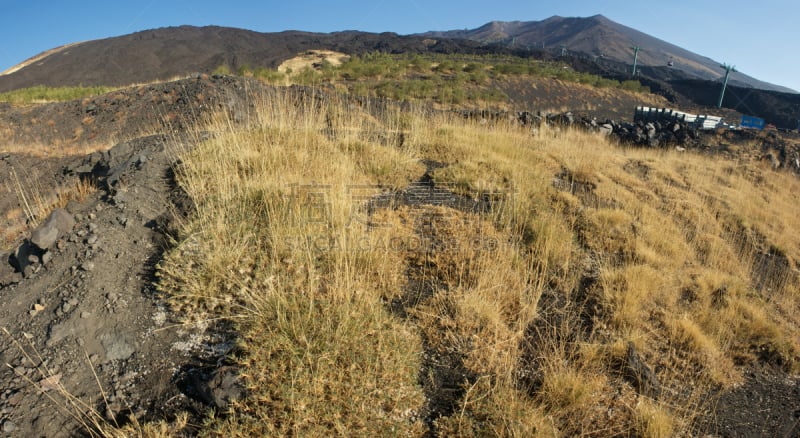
728	70
635	58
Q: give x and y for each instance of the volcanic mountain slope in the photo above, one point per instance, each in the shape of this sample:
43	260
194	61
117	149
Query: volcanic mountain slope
598	36
178	51
167	53
780	109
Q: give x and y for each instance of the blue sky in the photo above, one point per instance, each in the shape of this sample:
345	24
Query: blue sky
762	38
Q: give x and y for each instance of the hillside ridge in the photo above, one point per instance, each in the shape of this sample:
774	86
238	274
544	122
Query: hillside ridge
599	36
174	52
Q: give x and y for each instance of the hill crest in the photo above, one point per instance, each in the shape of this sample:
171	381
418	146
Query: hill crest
600	37
168	52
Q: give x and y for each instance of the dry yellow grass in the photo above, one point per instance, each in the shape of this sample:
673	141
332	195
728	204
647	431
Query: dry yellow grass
656	249
54	150
36	202
311	58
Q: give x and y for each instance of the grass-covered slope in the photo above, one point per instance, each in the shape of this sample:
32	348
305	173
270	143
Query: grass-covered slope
399	272
445	79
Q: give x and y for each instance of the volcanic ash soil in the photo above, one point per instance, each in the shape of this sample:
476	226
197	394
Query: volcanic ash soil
85	331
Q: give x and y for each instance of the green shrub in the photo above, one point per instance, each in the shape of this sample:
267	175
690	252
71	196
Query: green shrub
403	77
244	70
328	71
307	76
511	69
478	76
445	66
635	86
473	67
223	69
420	64
267	75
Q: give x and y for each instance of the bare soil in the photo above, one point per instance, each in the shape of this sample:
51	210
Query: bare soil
87	334
766	404
88	323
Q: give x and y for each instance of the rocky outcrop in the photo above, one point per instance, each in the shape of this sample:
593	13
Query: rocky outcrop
656	134
8	275
640	375
34	252
57	224
25	258
642	133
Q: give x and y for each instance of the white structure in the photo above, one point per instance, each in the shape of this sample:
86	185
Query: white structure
704	121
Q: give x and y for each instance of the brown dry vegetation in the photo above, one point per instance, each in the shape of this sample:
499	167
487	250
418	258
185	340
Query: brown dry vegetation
55	150
408	326
36	202
311	58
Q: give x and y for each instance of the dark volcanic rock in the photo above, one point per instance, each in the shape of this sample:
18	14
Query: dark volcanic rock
215	388
58	223
640	375
8	275
22	257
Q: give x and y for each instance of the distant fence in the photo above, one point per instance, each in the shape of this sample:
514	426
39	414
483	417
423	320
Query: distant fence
703	121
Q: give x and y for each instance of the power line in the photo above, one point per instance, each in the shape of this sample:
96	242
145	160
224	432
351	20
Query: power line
728	70
635	58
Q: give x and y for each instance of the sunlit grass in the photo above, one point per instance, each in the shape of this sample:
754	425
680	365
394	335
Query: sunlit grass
657	250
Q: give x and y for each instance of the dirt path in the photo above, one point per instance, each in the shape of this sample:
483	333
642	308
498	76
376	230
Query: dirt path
766	404
92	308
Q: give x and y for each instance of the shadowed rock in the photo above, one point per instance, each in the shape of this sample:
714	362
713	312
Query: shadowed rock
23	258
215	388
7	274
640	375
